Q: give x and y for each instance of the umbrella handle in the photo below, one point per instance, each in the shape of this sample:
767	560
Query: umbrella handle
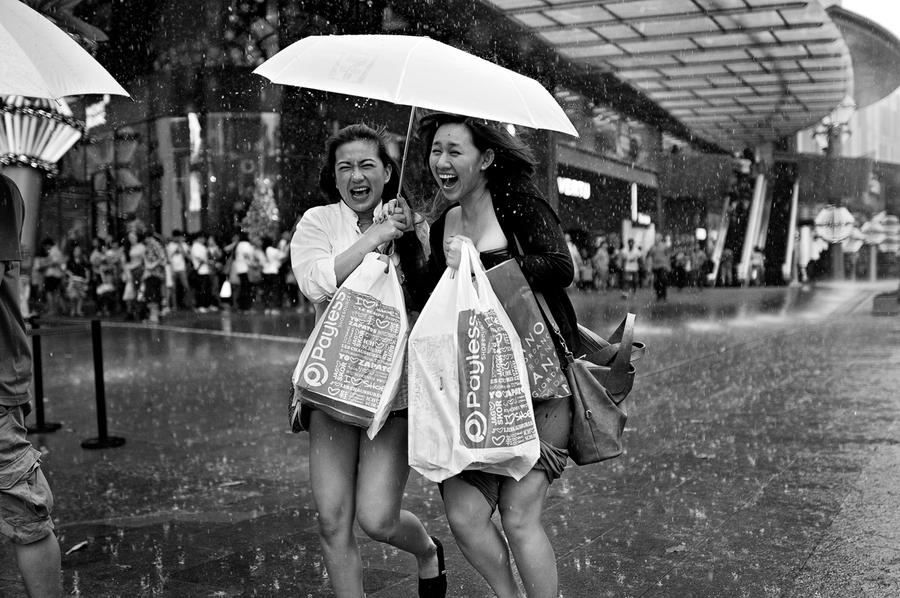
412	118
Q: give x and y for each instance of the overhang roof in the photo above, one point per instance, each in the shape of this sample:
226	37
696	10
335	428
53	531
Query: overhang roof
875	52
736	72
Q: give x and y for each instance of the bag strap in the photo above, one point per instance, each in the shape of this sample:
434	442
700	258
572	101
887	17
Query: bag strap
551	321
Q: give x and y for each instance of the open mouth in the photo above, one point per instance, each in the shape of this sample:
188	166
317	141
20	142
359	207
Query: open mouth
448	181
360	192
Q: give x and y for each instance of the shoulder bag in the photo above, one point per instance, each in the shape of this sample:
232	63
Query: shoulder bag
597	418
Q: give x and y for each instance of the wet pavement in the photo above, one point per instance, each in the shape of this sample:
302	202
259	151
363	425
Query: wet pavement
761	459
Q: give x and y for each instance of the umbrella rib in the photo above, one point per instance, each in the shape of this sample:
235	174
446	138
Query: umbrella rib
522	98
405	64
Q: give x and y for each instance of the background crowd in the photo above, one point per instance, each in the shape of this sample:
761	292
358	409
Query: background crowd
624	266
144	276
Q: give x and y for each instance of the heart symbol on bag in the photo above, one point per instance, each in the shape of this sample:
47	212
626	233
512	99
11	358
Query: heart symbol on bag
498	440
382	324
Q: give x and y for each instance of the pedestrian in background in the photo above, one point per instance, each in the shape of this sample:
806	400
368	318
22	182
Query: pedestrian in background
352	476
154	277
631	256
133	274
271	272
660	263
52	266
241	259
26	501
178	255
600	261
487	176
77	273
202	268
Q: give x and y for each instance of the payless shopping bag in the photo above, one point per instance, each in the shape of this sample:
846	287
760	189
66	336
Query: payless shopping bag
353	362
546	376
470	401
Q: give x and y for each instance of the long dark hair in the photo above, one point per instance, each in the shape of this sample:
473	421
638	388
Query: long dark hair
349	134
513	169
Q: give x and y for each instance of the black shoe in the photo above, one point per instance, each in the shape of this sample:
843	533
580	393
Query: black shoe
435	587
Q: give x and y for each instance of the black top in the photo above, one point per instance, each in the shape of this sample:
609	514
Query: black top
529	223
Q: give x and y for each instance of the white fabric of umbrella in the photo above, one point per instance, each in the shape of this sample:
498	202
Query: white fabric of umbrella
40	60
419	72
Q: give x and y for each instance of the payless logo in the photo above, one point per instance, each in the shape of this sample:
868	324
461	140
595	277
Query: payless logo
474	380
320	362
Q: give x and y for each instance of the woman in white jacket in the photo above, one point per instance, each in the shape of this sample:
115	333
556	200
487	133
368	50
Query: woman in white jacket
351	475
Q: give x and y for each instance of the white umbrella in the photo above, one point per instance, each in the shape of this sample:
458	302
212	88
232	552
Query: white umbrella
418	72
40	60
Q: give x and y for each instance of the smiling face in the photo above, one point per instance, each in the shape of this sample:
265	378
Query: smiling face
360	175
456	164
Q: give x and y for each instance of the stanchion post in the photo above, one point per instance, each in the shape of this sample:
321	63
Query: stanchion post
103	439
40	426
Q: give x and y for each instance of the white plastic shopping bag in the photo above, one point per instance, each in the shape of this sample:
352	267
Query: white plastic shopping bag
469	396
353	362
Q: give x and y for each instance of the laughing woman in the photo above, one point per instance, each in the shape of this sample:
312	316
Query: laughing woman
353	477
486	175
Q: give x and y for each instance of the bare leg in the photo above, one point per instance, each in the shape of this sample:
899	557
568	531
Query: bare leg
469	516
521	505
333	451
39	563
383	471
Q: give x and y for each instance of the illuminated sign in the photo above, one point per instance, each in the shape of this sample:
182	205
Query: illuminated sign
573	187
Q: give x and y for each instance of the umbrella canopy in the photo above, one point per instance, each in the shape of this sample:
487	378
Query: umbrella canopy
418	72
40	60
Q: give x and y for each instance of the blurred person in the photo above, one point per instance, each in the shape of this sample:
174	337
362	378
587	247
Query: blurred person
699	263
271	272
660	264
586	271
133	274
107	289
77	272
178	254
241	260
200	260
26	501
352	476
757	267
631	268
98	250
154	275
38	301
616	264
52	269
726	268
680	268
600	261
217	270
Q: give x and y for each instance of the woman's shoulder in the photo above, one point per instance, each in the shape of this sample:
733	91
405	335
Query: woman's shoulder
525	206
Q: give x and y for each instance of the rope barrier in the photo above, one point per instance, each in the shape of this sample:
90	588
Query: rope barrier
103	439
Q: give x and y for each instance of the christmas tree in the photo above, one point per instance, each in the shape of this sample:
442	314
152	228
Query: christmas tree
262	217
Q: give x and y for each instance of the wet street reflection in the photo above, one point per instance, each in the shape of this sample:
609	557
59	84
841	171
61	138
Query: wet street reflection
751	419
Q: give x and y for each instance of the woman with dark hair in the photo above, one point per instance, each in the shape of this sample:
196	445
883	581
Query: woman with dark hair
351	476
487	176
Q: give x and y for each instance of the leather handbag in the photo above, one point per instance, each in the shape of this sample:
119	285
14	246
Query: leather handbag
612	361
598	421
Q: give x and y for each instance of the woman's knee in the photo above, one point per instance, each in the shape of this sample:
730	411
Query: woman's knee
335	521
378	524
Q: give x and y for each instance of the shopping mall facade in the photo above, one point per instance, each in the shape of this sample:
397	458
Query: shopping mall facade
680	106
